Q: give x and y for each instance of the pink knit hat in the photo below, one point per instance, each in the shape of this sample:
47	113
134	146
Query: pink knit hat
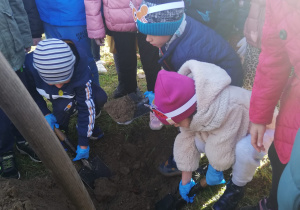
175	98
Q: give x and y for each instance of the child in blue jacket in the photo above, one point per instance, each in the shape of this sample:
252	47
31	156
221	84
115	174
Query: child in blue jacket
55	71
181	38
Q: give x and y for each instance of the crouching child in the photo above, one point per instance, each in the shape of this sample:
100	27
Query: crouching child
213	117
57	72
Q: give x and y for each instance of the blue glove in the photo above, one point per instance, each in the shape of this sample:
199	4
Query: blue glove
150	95
185	189
214	177
82	153
51	119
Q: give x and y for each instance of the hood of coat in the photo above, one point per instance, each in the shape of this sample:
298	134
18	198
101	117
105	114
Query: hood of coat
212	94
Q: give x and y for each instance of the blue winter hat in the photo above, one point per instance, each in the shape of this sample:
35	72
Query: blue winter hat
54	61
159	17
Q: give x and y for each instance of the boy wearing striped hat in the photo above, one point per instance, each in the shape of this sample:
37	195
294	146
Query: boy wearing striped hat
55	71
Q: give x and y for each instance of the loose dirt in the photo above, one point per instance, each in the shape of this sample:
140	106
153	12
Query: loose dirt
135	184
121	109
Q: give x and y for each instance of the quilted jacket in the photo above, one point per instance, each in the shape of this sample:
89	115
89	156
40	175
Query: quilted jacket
275	77
117	15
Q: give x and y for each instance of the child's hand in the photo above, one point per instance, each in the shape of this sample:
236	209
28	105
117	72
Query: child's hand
100	42
185	189
257	132
51	119
150	95
82	153
214	177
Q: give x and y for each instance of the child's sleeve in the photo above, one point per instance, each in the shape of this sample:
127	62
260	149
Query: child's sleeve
186	154
272	72
220	144
94	19
86	113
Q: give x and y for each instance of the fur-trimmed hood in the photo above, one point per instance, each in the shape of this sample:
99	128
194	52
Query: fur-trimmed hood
221	120
210	81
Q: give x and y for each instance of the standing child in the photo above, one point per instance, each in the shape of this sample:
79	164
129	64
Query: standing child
275	80
213	118
55	71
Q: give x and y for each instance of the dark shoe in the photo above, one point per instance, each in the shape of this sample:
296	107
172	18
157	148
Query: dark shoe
229	200
118	93
97	133
8	166
169	168
25	149
262	205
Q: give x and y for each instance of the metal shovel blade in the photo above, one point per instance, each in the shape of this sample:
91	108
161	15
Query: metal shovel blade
98	169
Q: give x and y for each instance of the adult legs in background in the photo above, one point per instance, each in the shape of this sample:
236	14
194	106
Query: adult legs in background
126	62
96	55
149	58
277	169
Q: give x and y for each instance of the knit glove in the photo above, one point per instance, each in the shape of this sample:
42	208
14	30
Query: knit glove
51	119
214	177
185	189
150	95
242	44
82	153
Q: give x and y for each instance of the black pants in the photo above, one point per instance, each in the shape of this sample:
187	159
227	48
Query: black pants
277	169
126	60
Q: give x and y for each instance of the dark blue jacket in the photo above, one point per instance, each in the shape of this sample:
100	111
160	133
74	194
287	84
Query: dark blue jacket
199	42
78	88
62	12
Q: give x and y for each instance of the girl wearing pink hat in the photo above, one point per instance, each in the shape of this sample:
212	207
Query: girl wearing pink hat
213	118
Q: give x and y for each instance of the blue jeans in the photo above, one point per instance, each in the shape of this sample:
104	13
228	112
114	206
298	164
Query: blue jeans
78	35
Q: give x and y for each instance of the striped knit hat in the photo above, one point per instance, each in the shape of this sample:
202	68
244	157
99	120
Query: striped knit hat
159	17
54	61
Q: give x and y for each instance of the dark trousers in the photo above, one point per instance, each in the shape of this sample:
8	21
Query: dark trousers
126	60
95	50
8	132
277	169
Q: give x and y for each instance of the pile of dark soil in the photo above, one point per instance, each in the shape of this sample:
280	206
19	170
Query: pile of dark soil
135	184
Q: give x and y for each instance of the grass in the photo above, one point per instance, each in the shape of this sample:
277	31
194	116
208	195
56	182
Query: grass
255	190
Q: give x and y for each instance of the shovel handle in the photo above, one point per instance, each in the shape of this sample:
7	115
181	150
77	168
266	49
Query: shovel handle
63	137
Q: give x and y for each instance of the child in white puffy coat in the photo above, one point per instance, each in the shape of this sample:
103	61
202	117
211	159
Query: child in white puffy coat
213	118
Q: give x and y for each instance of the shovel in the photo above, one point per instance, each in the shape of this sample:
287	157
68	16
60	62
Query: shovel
173	202
92	169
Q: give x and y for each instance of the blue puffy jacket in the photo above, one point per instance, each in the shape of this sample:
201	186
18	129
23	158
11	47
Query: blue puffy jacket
199	42
62	12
